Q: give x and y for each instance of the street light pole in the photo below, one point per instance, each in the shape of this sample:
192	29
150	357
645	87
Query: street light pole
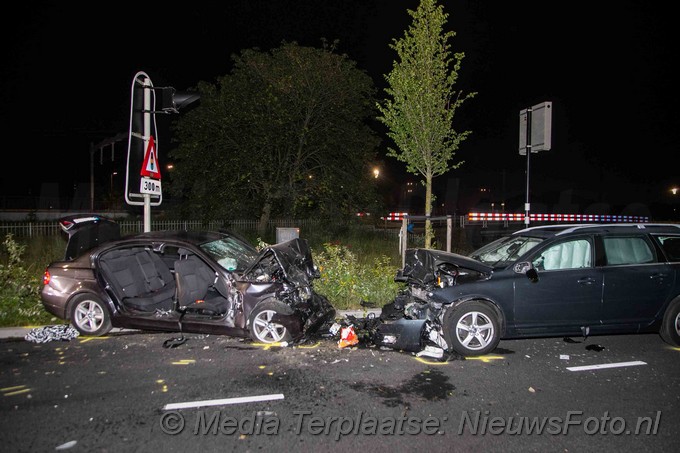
527	206
91	177
542	114
112	175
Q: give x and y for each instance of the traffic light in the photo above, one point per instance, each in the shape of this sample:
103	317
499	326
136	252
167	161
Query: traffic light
172	100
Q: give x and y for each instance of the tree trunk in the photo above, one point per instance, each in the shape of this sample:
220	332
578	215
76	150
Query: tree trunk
264	218
428	211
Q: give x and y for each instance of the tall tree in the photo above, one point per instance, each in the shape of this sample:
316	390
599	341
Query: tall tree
286	133
422	102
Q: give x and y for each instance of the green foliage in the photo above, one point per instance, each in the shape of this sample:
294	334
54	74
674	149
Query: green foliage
284	135
421	100
19	288
346	282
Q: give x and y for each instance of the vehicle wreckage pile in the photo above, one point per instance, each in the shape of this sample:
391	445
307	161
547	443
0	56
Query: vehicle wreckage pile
394	328
413	321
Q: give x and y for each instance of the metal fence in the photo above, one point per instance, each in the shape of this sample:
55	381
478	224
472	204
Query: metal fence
315	227
51	228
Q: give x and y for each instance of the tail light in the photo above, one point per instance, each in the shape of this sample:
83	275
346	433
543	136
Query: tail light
46	277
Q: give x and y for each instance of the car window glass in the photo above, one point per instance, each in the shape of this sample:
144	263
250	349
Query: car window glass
230	253
627	250
573	254
505	250
170	250
671	247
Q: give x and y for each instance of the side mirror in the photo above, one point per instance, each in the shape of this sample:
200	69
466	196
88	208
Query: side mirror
532	274
526	268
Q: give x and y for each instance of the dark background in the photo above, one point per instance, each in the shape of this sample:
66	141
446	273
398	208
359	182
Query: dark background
606	67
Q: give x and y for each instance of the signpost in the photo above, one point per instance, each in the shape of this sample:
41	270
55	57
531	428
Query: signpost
534	122
142	175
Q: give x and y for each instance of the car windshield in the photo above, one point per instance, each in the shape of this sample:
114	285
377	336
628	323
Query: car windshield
504	251
231	253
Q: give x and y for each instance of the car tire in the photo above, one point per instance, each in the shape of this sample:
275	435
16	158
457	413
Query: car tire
670	328
472	329
90	316
262	330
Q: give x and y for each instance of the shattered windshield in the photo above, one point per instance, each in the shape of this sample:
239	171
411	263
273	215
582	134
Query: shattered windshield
505	250
231	253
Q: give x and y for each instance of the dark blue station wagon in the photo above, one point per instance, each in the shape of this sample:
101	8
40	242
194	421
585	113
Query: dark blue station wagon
560	280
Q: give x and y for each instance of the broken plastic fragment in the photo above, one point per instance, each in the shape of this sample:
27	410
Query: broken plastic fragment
389	339
595	347
436	337
174	342
67	445
431	351
335	328
347	337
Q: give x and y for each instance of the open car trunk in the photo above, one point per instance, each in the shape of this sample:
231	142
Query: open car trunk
86	232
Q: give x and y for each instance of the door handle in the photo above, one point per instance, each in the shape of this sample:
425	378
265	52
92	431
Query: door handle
658	276
586	281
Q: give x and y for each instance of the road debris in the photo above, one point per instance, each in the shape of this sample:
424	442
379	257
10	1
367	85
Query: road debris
62	332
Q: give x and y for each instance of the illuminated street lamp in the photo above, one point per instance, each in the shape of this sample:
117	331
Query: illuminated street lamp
674	190
376	172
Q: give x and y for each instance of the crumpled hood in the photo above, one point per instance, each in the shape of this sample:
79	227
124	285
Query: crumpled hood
292	259
420	265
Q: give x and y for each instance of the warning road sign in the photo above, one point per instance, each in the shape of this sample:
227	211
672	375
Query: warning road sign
150	166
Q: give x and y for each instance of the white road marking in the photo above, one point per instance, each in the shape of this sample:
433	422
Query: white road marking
605	365
224	401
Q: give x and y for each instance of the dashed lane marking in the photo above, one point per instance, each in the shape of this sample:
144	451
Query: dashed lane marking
485	358
184	362
224	401
16	390
605	365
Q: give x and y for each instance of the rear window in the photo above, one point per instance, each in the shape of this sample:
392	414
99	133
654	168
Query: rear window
628	250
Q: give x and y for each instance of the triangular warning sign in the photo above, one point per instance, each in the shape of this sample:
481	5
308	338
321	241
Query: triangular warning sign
150	165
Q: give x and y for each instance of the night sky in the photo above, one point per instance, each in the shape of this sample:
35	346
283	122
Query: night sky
606	67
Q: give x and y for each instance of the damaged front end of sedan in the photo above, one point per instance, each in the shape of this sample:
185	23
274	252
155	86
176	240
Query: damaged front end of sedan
301	310
415	321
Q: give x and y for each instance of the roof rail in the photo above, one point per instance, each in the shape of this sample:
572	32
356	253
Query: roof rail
569	228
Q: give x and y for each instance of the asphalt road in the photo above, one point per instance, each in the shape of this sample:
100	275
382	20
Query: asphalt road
127	393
